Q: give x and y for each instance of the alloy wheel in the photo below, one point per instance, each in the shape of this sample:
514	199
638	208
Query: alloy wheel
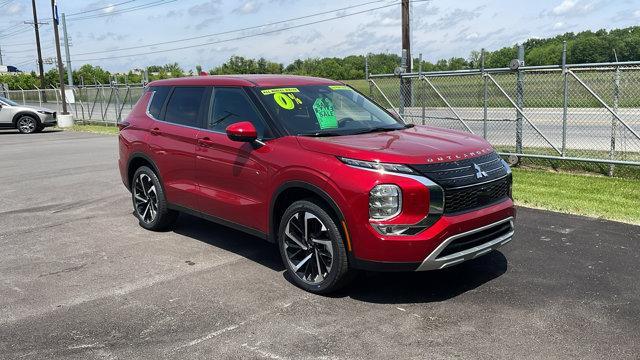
27	124
145	198
308	247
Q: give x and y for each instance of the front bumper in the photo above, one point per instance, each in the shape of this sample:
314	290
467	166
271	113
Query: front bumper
503	234
48	119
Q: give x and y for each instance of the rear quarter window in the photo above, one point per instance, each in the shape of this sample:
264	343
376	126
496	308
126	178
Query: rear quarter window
159	96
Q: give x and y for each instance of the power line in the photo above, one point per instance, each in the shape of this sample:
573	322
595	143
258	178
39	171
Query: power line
126	10
231	31
25	51
247	36
3	4
15	32
102	8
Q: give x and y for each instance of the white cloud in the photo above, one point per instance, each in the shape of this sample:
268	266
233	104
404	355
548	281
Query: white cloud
15	8
572	7
559	25
249	7
472	36
109	9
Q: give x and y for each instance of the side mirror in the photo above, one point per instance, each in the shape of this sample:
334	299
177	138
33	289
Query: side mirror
243	131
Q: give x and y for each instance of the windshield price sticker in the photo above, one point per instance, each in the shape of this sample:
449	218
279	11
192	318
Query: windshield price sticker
279	90
325	114
286	101
339	87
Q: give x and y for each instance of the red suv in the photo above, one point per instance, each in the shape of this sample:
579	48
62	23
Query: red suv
338	182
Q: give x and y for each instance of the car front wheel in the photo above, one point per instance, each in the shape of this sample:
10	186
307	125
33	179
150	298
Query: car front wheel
27	124
312	249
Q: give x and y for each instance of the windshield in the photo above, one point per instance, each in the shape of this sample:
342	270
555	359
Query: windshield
328	110
7	101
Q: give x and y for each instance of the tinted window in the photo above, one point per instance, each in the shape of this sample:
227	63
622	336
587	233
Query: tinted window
184	105
159	96
231	105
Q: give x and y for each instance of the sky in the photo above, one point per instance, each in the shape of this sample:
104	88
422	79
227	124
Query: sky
440	28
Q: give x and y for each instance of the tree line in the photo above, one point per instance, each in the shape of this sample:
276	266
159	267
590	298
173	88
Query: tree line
583	47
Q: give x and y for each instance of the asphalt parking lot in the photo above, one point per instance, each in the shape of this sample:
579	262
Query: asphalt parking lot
79	279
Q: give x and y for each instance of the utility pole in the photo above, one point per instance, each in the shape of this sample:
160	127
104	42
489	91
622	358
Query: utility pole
406	34
54	12
36	25
406	50
0	55
66	51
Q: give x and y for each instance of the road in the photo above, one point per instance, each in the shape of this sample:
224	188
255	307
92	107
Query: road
79	279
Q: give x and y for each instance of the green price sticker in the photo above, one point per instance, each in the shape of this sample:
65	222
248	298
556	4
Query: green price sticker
325	113
279	90
286	101
339	87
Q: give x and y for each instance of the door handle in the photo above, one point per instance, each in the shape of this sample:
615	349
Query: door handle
155	131
205	142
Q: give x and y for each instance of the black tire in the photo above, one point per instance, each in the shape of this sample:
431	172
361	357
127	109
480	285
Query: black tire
154	214
338	273
27	124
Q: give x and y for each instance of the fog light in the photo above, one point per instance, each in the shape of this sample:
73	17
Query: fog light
385	201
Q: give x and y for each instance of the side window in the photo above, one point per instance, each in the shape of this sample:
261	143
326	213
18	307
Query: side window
159	96
184	105
231	105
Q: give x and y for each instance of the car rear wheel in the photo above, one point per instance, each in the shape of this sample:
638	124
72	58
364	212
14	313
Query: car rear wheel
27	124
312	249
149	202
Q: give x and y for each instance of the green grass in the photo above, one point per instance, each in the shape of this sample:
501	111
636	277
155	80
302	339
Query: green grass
590	195
96	129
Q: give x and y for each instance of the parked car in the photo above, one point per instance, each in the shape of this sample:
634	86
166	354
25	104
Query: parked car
338	182
27	119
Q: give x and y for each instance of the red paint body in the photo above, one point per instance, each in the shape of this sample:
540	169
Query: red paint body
235	181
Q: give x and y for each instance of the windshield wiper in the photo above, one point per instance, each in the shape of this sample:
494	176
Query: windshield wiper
379	129
324	133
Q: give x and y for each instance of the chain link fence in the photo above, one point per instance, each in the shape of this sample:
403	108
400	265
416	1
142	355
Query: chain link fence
586	112
97	103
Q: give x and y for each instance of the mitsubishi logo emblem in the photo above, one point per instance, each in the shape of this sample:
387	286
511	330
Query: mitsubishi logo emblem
479	173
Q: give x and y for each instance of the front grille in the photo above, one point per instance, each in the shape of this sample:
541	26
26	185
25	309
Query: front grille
475	239
469	184
472	197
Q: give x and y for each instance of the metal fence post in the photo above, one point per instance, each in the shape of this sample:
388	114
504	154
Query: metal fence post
366	74
565	97
24	100
39	96
485	95
519	99
403	65
423	97
614	120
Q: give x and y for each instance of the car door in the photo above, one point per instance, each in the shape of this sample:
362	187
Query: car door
172	141
6	114
233	176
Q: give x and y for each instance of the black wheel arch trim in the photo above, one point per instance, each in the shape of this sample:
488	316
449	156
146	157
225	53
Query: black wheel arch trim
22	113
139	155
273	232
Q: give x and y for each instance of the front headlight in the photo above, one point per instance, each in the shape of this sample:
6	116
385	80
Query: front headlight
385	201
44	112
378	166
